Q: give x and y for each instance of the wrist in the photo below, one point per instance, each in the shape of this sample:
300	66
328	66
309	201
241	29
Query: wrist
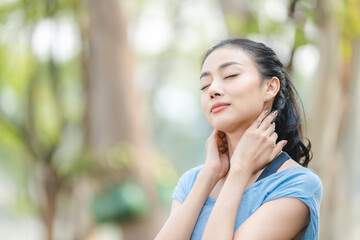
209	176
241	171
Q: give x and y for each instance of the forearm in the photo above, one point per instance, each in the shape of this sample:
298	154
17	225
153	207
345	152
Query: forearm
222	218
181	223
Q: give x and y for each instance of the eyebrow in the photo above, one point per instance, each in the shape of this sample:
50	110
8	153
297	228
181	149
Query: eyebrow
224	65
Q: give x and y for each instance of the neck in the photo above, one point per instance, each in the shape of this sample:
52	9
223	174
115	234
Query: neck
233	140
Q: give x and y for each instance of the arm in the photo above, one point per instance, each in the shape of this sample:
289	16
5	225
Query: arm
222	218
282	218
254	151
183	217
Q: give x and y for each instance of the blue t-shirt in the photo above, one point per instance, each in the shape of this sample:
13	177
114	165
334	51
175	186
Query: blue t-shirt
298	182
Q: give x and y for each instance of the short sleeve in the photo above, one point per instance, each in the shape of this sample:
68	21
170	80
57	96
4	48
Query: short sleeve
185	184
304	184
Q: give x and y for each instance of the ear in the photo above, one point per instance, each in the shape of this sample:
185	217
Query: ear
271	87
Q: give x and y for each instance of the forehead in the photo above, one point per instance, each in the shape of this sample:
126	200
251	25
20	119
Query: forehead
226	54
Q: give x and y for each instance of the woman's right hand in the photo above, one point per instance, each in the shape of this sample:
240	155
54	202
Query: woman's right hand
217	162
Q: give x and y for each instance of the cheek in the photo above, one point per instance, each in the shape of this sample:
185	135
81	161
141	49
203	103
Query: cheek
248	87
204	103
248	97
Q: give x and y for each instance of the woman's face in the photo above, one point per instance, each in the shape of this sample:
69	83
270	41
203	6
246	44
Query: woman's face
233	92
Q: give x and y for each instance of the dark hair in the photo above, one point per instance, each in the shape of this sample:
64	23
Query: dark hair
288	121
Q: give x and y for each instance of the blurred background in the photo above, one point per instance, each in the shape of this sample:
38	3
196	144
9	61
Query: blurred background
100	113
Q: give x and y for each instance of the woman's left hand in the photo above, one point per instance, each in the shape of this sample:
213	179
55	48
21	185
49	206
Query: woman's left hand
258	146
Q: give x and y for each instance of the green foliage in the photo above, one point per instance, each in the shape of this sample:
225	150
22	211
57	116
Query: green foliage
41	102
348	19
238	25
125	202
300	38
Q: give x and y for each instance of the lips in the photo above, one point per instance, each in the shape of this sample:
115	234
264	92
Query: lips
217	107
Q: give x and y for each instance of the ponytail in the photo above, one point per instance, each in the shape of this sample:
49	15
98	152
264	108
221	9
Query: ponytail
288	122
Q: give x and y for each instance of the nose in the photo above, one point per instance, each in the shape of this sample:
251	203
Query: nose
215	90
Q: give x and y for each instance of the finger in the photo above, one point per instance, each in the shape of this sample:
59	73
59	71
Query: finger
212	135
211	138
212	146
259	119
273	137
278	148
267	121
270	130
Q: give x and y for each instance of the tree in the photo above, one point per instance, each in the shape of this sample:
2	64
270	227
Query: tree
38	131
114	107
332	116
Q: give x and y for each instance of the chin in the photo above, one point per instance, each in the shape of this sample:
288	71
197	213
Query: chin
224	125
229	124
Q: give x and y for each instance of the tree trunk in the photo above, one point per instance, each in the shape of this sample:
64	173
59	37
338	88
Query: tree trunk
52	186
113	108
111	67
329	134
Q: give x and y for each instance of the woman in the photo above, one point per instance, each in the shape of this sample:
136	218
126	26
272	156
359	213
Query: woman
250	101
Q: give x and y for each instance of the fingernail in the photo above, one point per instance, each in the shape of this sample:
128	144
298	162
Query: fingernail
275	112
285	143
265	112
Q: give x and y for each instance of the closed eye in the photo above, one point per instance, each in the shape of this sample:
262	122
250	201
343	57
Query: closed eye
203	88
231	76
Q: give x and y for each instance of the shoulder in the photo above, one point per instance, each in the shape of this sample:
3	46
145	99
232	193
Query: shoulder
299	175
302	176
192	173
185	183
296	181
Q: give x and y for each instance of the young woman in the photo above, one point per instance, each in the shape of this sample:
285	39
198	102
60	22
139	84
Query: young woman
254	183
